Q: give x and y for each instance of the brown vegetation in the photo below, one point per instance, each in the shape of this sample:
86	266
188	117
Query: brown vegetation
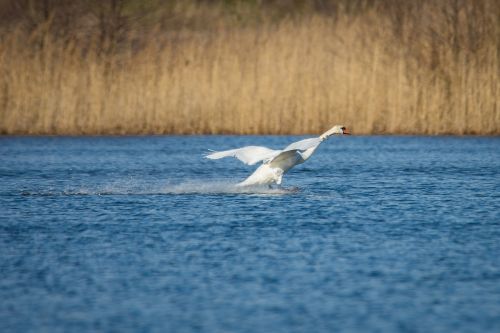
423	67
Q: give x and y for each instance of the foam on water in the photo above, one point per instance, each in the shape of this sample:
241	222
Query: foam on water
135	187
223	187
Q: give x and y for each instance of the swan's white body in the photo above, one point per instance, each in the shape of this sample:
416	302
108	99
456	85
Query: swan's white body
275	163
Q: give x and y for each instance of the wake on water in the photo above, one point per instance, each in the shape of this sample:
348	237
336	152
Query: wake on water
223	188
133	187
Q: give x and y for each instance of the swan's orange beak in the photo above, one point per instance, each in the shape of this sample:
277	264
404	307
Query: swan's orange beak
345	131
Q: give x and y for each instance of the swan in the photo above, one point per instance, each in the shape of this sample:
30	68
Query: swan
275	163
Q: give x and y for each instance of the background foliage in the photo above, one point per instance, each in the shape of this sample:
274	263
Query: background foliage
249	67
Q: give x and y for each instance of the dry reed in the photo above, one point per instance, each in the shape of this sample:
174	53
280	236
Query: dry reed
429	69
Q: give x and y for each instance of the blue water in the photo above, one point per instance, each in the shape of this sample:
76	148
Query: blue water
372	234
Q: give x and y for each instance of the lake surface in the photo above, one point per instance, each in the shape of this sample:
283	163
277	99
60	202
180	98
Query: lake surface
372	234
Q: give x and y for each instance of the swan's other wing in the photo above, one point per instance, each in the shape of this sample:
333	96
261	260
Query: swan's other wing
294	149
284	155
248	155
303	144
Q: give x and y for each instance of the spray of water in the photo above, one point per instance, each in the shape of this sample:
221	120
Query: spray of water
221	187
134	187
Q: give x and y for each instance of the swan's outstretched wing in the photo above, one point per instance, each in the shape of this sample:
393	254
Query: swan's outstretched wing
248	155
303	144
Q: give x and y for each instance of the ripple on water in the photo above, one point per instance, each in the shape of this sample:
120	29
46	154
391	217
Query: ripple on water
382	234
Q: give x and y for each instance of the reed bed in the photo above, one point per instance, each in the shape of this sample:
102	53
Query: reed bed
431	68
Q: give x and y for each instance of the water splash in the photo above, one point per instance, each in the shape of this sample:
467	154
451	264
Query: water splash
222	187
134	187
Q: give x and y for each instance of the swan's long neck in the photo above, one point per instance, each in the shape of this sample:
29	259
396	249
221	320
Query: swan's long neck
307	153
330	132
325	135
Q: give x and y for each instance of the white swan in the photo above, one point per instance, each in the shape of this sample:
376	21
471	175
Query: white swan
276	162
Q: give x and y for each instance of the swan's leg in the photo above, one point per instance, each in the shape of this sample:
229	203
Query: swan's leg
273	185
280	179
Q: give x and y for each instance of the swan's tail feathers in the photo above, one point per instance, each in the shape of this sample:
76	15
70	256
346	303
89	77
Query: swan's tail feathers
248	183
241	184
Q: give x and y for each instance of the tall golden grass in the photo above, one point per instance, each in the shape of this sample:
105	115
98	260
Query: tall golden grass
431	68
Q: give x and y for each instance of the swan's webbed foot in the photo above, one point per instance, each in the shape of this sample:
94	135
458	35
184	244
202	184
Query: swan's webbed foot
275	186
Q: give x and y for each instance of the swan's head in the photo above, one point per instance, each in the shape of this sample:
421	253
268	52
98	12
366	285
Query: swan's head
337	129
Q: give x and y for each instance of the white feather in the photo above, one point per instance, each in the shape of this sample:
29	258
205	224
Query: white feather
249	155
